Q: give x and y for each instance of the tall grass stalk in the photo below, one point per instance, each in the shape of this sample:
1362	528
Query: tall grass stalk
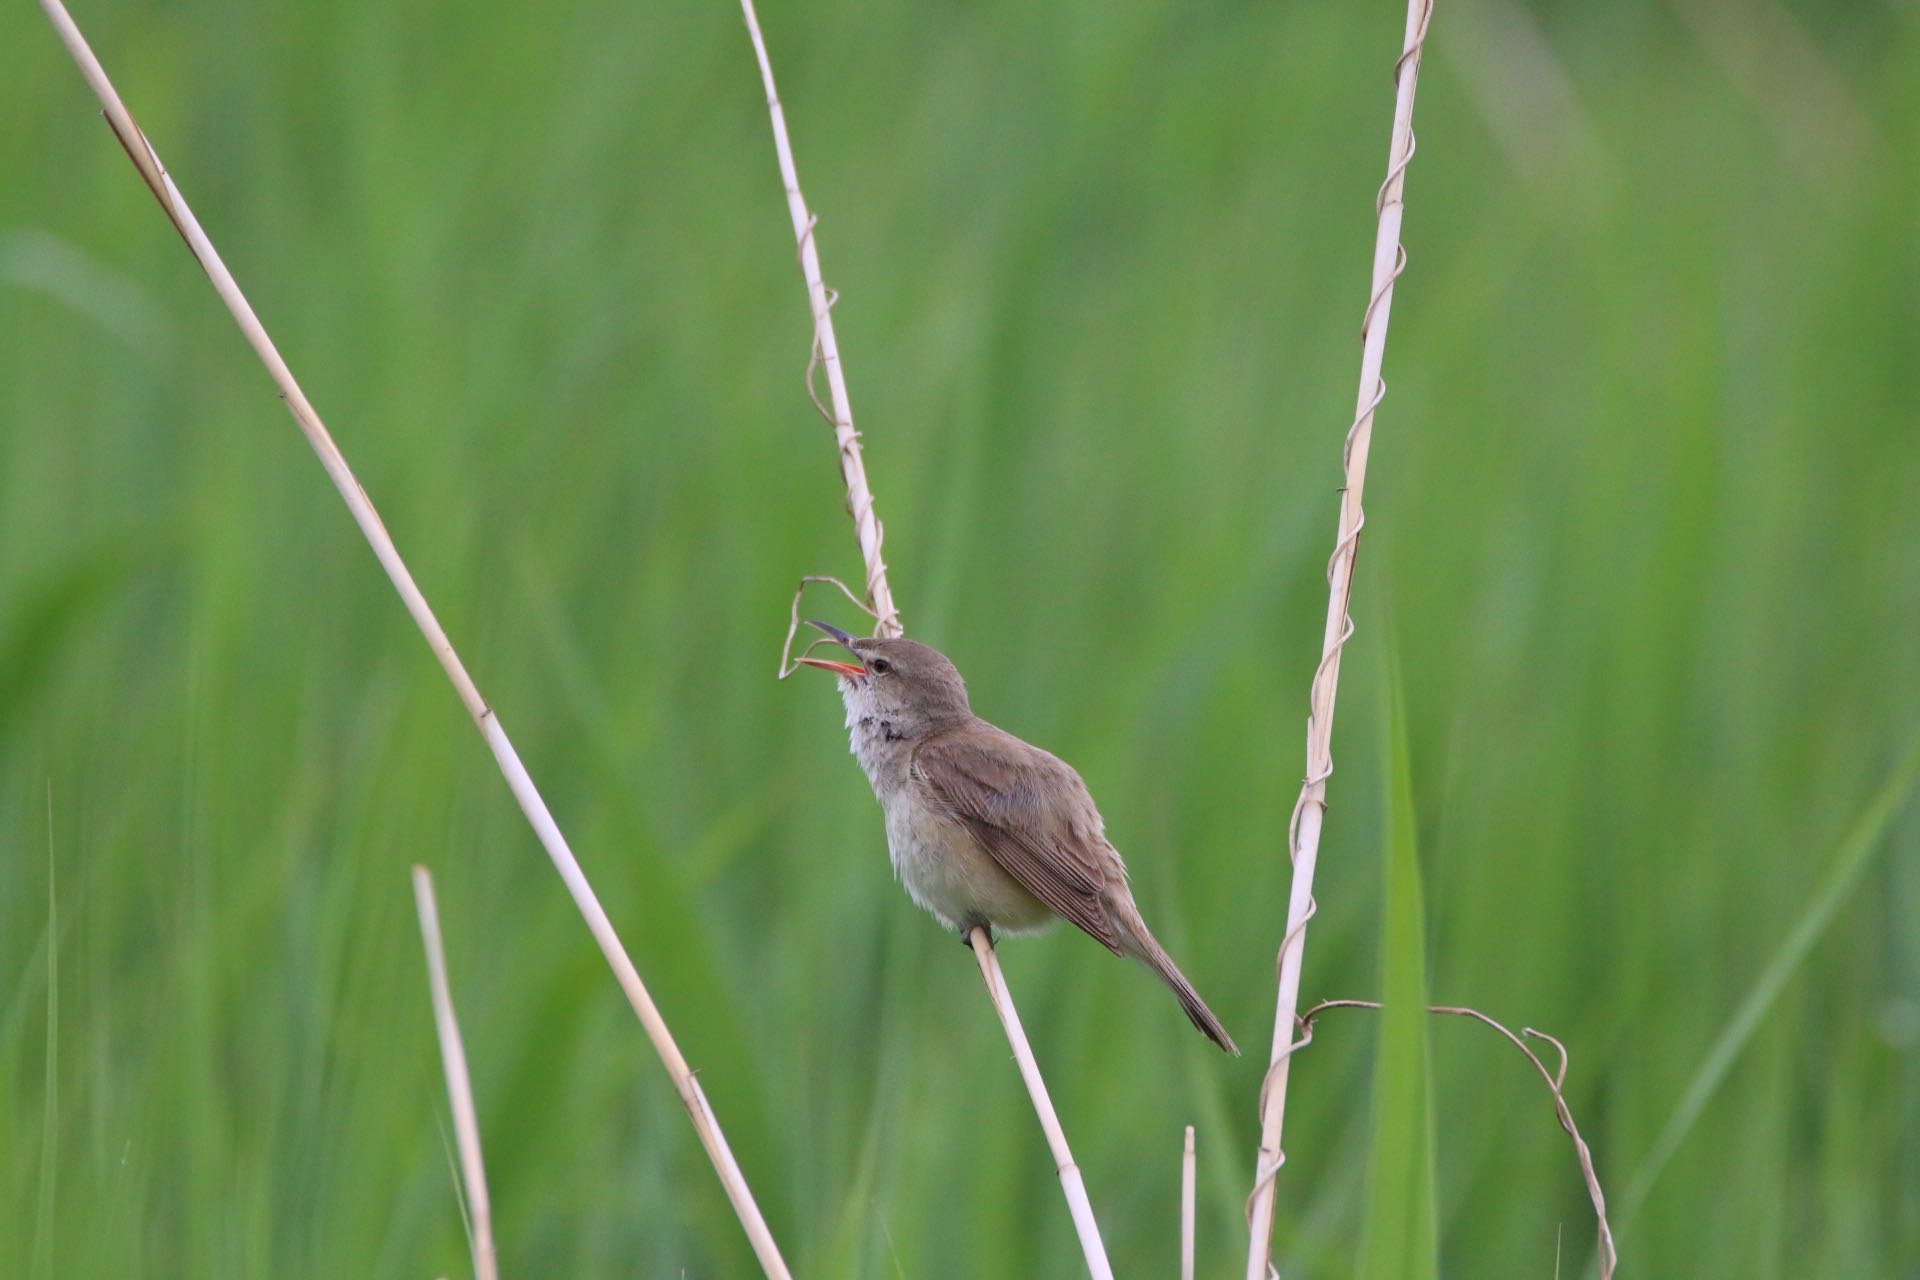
1070	1180
1188	1174
147	162
453	1059
826	351
1310	809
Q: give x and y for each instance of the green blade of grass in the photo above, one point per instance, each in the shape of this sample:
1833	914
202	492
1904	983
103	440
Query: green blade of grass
1863	840
1399	1237
50	1096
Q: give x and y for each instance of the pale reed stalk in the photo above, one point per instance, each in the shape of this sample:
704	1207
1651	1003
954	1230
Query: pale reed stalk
1310	809
705	1124
867	527
453	1058
1070	1180
1187	1179
826	352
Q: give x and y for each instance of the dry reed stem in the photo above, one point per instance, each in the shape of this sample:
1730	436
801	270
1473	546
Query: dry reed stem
1556	1082
1304	828
141	152
867	527
1070	1180
453	1058
1187	1173
826	353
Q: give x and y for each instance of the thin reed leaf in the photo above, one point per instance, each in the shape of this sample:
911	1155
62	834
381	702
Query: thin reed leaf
1865	838
1398	1239
43	1239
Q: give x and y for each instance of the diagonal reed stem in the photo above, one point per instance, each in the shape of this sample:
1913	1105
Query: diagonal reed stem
1070	1180
705	1124
867	527
1310	809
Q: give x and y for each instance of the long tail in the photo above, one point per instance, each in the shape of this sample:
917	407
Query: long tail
1137	940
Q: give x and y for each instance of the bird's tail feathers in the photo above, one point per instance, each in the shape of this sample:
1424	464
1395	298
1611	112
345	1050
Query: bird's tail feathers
1155	957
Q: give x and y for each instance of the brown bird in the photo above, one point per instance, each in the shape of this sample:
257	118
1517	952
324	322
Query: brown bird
985	829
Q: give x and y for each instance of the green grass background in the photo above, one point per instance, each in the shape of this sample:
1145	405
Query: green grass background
1644	532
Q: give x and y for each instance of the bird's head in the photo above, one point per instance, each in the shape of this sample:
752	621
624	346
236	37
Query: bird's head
895	679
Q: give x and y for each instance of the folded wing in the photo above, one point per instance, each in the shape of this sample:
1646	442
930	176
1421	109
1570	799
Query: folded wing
1031	813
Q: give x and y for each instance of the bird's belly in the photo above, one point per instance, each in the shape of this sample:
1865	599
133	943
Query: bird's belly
947	872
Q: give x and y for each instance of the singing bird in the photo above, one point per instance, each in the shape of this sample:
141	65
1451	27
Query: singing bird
985	829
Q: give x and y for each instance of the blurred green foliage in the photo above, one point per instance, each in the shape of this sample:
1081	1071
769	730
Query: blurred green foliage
1643	509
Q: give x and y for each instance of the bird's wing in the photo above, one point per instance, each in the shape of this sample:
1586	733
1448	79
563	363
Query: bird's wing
1030	812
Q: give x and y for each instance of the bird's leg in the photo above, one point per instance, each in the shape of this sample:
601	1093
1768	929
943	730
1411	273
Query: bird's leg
966	935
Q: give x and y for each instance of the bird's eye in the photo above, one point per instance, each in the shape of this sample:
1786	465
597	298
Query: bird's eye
879	666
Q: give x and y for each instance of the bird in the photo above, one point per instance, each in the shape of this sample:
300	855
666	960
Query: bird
984	829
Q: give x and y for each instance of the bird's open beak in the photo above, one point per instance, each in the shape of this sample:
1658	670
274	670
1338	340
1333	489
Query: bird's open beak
844	640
